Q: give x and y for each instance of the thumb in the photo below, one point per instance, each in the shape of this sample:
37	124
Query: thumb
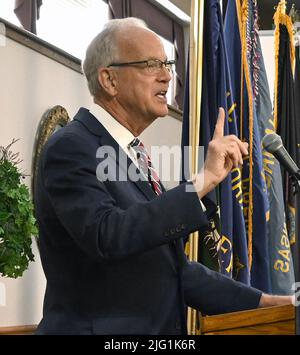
219	129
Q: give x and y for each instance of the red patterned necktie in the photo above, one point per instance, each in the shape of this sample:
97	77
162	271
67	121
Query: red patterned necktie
145	165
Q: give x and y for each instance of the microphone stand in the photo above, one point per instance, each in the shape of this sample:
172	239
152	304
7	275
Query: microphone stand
296	183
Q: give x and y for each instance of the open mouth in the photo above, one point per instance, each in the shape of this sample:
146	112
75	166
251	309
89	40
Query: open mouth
162	95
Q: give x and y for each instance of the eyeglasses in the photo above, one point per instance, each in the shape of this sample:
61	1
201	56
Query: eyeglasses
153	66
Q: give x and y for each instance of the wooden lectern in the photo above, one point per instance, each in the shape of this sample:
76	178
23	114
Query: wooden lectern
263	321
278	320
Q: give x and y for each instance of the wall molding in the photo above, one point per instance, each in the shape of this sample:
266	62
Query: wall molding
175	113
37	44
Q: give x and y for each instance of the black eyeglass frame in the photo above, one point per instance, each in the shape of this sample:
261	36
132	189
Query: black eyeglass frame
166	63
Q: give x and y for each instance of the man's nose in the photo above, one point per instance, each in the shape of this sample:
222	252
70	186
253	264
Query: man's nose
165	74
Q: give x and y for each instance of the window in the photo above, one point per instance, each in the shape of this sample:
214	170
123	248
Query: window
71	24
67	24
7	12
170	52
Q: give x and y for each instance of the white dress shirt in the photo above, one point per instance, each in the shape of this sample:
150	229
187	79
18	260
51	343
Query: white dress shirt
119	133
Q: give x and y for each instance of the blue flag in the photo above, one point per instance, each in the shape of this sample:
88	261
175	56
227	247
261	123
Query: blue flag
233	226
208	250
255	199
216	92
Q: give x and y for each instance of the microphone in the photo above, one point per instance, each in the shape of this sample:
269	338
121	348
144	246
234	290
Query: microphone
273	144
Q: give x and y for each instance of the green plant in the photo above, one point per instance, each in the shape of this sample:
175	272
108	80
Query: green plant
17	223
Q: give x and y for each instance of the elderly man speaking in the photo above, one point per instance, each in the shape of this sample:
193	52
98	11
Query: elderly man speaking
112	247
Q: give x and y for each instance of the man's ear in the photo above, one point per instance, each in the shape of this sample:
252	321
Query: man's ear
108	81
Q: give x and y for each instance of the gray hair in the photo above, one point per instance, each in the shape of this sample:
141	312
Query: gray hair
103	50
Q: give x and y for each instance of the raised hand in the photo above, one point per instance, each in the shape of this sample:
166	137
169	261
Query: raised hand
224	153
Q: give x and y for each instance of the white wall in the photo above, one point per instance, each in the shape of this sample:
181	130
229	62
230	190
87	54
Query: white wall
31	84
267	44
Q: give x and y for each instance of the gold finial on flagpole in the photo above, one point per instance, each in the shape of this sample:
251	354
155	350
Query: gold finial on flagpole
282	5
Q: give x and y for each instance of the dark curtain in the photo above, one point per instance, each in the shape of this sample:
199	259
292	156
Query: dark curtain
27	12
162	25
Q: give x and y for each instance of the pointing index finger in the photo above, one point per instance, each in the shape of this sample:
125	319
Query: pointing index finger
219	129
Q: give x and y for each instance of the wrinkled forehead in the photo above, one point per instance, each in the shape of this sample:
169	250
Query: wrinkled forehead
136	43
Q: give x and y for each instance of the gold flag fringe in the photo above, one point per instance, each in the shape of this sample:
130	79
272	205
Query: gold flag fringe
281	18
242	11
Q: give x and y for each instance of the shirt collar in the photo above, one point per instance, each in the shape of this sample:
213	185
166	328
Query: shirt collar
119	133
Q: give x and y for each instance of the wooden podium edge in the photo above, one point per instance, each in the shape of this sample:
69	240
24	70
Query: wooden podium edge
248	318
209	324
18	330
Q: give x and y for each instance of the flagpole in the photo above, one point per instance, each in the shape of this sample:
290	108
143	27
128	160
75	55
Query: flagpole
196	60
242	13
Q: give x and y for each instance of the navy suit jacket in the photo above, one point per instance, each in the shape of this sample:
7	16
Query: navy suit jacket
112	251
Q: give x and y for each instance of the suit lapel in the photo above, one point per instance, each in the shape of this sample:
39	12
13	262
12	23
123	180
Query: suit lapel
106	140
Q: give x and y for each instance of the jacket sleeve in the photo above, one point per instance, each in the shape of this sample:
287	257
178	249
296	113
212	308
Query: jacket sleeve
90	215
214	293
